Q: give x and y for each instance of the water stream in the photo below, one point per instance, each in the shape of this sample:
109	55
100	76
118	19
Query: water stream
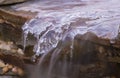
57	20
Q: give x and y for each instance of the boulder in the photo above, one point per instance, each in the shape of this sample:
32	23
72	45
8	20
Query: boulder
11	22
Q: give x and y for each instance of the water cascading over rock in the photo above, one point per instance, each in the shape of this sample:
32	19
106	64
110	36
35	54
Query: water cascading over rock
60	27
52	26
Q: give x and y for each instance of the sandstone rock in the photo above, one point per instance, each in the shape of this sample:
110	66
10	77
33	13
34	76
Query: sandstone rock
14	18
11	22
2	64
5	70
4	2
10	47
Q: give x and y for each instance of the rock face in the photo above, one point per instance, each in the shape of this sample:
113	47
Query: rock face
4	2
89	60
18	17
8	26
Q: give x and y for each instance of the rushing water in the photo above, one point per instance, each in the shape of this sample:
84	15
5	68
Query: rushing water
57	20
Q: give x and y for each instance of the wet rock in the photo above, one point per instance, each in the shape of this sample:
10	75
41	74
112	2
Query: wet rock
15	18
11	22
11	59
2	64
5	70
4	2
11	70
10	47
9	53
1	21
9	66
90	59
18	71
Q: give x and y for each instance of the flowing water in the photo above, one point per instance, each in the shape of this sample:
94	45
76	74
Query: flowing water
59	20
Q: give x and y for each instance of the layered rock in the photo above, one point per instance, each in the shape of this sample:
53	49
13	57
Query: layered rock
5	2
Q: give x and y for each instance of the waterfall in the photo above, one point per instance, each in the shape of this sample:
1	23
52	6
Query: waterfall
56	22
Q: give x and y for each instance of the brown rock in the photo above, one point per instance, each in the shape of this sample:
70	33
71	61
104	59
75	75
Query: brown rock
20	72
10	47
9	66
2	64
4	2
11	22
5	70
13	18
